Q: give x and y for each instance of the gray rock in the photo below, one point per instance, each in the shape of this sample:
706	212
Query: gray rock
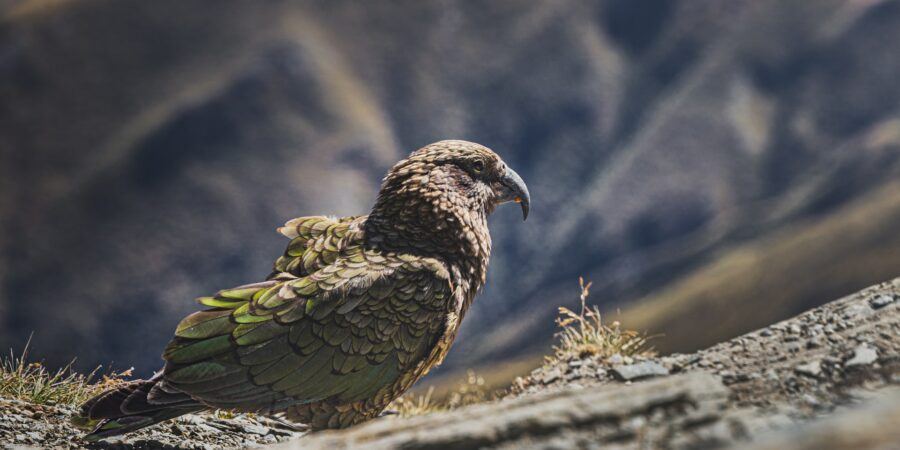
880	301
617	415
551	375
638	371
256	429
868	426
815	342
864	354
810	369
857	310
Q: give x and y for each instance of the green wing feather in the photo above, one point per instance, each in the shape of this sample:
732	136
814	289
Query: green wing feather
342	328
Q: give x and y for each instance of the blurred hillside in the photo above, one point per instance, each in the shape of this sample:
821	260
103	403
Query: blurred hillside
720	164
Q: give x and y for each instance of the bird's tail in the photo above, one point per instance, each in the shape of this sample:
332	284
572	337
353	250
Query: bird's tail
131	407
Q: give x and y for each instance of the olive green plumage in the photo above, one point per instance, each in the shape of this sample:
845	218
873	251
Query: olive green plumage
356	310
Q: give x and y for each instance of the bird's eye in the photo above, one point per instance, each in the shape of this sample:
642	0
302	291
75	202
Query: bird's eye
478	166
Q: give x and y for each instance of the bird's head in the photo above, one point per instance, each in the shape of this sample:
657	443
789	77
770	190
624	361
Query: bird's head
448	185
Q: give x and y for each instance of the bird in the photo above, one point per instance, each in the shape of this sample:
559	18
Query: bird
355	311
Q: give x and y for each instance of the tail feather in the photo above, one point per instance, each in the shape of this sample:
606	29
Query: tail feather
134	406
108	428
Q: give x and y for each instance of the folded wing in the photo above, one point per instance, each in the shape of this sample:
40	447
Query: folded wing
341	334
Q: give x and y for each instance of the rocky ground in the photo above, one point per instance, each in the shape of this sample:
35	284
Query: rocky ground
805	364
26	425
829	378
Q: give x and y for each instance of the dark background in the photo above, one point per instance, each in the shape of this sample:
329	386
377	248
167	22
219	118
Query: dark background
711	165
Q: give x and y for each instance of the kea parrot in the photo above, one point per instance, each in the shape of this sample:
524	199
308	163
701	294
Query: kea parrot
354	313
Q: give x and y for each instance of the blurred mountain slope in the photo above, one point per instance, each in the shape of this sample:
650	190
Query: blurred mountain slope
148	149
731	292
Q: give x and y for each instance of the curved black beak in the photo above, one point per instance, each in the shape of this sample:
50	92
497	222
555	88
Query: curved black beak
513	189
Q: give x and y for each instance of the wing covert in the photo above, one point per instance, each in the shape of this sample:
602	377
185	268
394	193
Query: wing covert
316	241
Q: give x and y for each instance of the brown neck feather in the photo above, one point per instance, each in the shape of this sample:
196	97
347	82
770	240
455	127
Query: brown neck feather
421	211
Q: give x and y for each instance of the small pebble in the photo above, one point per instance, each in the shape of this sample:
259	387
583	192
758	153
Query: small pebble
810	369
551	375
881	301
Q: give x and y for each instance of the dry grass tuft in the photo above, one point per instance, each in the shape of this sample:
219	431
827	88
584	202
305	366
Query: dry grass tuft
34	383
470	391
584	334
581	335
410	405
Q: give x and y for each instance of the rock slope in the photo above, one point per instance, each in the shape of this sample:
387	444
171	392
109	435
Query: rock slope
767	389
828	378
27	425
